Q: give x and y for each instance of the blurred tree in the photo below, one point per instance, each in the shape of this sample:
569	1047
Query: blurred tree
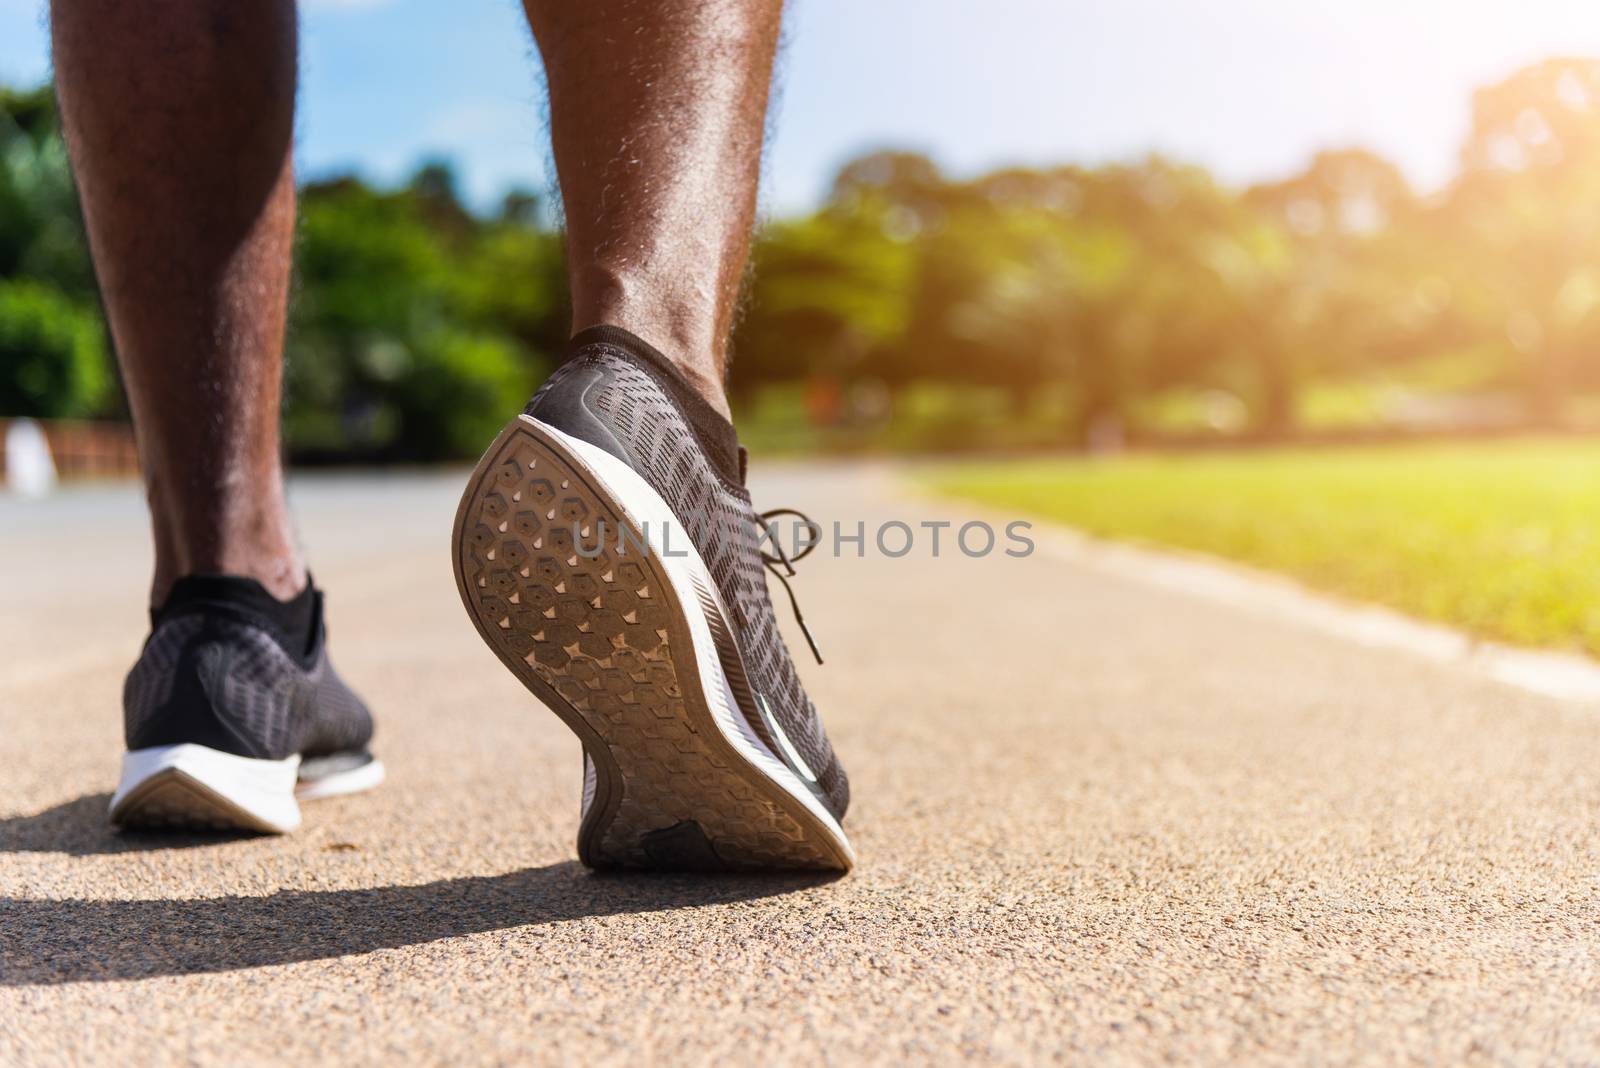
53	359
521	207
511	277
386	357
438	195
51	349
905	181
829	292
1014	293
41	231
1083	277
1070	294
1525	220
1315	298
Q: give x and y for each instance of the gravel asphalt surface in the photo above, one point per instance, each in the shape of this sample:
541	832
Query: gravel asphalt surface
1097	822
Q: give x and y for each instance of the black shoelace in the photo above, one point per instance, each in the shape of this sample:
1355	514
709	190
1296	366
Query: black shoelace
782	564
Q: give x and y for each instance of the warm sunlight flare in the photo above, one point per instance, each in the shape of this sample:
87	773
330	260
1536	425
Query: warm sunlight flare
861	532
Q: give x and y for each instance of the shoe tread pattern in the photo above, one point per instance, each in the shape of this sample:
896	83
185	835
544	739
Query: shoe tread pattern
172	800
720	520
603	641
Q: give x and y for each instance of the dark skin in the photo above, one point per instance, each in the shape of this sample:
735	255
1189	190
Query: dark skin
179	118
657	113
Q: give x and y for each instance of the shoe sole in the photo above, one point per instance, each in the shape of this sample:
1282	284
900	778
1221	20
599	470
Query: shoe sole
193	787
675	777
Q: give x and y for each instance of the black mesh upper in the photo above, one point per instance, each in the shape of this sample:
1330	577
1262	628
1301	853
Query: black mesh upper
214	676
632	397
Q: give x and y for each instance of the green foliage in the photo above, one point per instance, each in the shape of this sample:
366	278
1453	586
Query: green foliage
830	296
1126	283
52	352
514	280
1056	305
416	325
53	359
41	236
404	337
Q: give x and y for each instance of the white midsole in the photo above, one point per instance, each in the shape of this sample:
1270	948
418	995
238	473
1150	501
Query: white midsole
357	779
262	788
688	573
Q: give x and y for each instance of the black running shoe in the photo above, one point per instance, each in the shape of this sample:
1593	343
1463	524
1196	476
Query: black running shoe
233	714
607	550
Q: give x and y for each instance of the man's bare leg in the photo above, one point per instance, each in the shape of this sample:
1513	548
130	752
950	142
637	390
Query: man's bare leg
179	117
701	748
658	108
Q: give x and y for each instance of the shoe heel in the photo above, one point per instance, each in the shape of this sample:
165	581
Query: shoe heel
193	786
604	637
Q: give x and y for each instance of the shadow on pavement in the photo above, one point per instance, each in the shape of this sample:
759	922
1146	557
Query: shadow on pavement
47	942
80	828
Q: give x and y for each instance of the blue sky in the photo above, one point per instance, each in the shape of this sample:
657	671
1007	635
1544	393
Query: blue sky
1248	87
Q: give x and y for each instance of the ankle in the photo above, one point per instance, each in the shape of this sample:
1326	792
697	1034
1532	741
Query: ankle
284	578
698	371
252	541
709	388
688	338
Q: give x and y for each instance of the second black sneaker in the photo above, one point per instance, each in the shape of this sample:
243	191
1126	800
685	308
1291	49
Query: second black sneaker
608	552
233	714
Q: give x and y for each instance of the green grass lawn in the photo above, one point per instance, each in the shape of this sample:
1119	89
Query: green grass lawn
1500	538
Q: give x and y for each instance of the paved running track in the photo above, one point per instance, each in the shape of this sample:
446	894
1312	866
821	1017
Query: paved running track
1097	823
